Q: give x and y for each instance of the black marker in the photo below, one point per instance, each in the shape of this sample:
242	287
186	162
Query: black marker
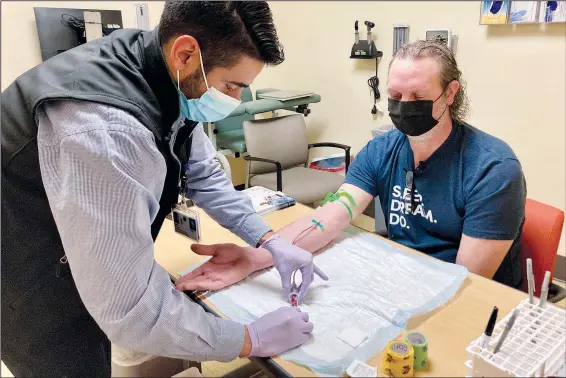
489	328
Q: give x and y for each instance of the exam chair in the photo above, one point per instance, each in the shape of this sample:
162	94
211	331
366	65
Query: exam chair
539	242
278	156
227	135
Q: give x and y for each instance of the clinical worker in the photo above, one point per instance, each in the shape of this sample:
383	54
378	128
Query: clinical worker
93	142
447	189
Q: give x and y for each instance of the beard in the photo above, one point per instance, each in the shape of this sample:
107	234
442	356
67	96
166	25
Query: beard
191	86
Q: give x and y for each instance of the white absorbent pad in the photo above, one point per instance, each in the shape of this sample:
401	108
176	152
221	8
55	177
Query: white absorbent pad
373	290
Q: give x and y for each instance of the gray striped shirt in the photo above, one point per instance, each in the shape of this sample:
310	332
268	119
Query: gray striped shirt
104	175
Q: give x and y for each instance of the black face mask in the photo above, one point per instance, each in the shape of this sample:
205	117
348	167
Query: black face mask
413	118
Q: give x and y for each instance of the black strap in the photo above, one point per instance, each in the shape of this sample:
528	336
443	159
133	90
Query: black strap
170	194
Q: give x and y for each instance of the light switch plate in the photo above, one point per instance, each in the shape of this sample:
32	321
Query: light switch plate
440	35
142	16
444	36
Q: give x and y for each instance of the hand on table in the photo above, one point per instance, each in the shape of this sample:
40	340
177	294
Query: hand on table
229	264
288	258
279	331
270	335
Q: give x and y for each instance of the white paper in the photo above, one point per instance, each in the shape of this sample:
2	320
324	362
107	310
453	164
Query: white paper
352	336
373	288
359	369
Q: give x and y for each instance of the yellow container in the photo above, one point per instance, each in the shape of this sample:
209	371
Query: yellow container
397	360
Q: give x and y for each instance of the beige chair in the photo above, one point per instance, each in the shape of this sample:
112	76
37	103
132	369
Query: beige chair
278	156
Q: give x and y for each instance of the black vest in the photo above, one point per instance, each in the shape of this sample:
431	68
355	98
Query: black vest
125	70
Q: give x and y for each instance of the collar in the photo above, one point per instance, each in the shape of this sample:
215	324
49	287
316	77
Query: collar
157	76
453	137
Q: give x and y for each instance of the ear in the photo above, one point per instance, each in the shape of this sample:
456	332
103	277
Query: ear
184	55
451	91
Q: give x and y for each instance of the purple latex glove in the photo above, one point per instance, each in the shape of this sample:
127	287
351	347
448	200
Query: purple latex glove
288	258
279	331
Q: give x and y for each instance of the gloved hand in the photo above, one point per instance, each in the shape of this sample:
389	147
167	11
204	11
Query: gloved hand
279	331
287	258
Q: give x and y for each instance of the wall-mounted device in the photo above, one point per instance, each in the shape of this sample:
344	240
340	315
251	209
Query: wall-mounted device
444	36
400	36
93	25
142	16
61	29
439	35
364	49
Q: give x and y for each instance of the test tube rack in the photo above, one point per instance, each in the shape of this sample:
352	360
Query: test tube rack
534	347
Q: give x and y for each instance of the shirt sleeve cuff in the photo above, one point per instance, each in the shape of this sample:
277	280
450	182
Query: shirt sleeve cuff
253	230
231	340
489	235
360	184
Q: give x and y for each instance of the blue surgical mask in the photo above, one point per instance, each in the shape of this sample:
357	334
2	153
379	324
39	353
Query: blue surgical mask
212	106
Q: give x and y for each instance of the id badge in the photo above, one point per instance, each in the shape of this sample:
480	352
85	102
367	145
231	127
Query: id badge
186	221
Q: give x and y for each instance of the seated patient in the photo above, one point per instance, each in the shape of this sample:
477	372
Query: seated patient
447	189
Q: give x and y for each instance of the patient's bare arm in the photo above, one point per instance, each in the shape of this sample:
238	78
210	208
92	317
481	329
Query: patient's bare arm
305	234
232	263
333	218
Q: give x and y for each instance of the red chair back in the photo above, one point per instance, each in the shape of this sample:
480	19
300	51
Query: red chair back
540	239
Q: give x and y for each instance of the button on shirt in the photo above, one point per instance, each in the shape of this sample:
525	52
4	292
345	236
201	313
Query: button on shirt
103	176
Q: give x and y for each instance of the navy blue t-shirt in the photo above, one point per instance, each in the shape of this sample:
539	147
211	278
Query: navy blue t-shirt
472	184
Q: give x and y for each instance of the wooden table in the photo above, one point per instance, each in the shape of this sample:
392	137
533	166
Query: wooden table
449	329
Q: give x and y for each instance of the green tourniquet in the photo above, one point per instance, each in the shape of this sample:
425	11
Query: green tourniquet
336	197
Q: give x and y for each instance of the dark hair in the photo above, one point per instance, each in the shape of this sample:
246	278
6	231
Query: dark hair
225	30
449	71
